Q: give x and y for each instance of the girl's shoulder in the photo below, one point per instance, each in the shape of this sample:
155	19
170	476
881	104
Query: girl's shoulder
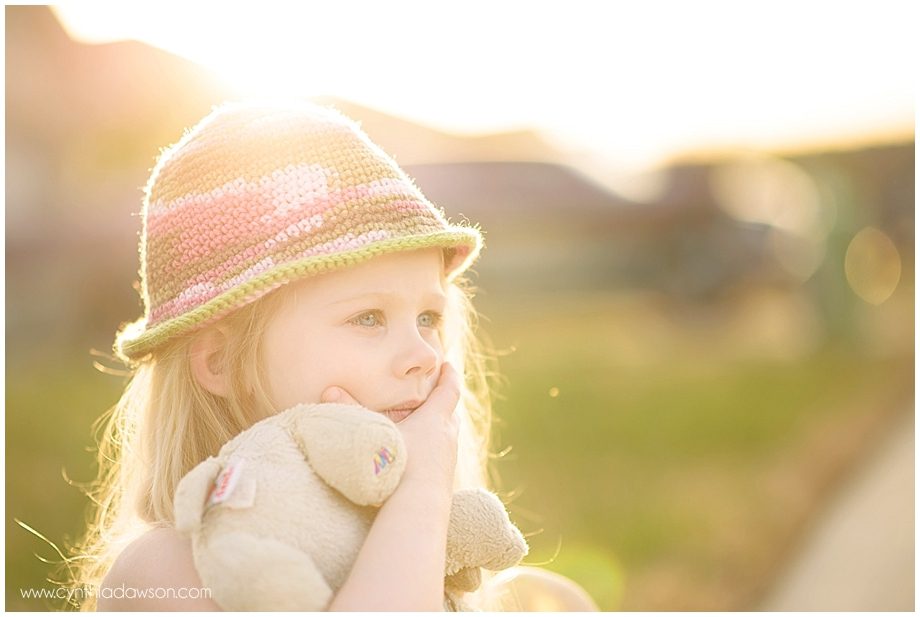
155	572
526	588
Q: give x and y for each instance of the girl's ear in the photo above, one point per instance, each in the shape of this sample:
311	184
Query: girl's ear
205	359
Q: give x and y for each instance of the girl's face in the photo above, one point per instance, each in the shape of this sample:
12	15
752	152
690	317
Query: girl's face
372	330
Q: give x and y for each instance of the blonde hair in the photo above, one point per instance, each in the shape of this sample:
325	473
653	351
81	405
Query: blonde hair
165	423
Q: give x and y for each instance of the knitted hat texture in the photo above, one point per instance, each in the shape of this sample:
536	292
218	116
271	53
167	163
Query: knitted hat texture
259	195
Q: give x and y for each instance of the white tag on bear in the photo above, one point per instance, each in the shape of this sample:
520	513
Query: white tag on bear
232	488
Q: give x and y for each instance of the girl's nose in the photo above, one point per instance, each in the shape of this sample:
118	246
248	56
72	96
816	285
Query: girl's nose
416	357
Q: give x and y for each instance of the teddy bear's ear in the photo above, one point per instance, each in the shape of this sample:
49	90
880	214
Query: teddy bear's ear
356	451
189	501
235	487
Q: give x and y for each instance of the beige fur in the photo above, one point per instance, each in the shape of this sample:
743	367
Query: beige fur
300	492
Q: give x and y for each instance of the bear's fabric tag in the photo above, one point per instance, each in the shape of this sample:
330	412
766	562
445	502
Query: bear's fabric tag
230	488
382	458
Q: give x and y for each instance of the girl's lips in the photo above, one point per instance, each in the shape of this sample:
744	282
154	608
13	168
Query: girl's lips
405	406
401	411
397	415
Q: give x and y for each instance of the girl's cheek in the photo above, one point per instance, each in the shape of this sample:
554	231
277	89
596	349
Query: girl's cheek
434	338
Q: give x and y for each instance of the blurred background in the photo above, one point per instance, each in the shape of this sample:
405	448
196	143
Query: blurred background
699	269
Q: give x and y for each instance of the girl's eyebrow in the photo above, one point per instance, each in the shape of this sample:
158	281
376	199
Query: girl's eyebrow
433	297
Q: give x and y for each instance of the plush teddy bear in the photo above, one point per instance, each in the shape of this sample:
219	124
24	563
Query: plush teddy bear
277	518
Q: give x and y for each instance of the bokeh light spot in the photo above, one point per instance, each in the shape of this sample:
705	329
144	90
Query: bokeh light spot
799	255
771	191
553	392
873	265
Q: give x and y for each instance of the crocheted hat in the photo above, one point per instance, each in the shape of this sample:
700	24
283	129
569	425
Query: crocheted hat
259	195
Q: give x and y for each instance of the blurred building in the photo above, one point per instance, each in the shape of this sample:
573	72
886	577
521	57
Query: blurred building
85	122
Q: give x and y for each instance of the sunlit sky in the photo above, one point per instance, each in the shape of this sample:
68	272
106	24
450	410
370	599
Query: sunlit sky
630	82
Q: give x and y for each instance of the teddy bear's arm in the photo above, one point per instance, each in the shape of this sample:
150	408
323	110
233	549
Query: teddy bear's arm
480	534
247	572
356	451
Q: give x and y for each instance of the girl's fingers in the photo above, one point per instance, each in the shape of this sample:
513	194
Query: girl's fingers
335	394
446	394
443	398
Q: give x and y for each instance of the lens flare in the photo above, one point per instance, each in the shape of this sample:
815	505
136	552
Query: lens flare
873	265
799	255
770	191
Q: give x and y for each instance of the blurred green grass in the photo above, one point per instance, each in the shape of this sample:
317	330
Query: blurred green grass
661	475
51	403
674	481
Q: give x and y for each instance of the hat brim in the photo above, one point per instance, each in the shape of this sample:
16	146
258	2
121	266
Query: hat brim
136	340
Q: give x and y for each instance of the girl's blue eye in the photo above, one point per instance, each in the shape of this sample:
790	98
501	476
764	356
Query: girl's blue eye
370	319
430	319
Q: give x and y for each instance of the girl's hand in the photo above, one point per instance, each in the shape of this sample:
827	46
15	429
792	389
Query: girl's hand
401	564
430	432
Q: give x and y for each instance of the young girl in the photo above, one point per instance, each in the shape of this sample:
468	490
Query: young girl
286	259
